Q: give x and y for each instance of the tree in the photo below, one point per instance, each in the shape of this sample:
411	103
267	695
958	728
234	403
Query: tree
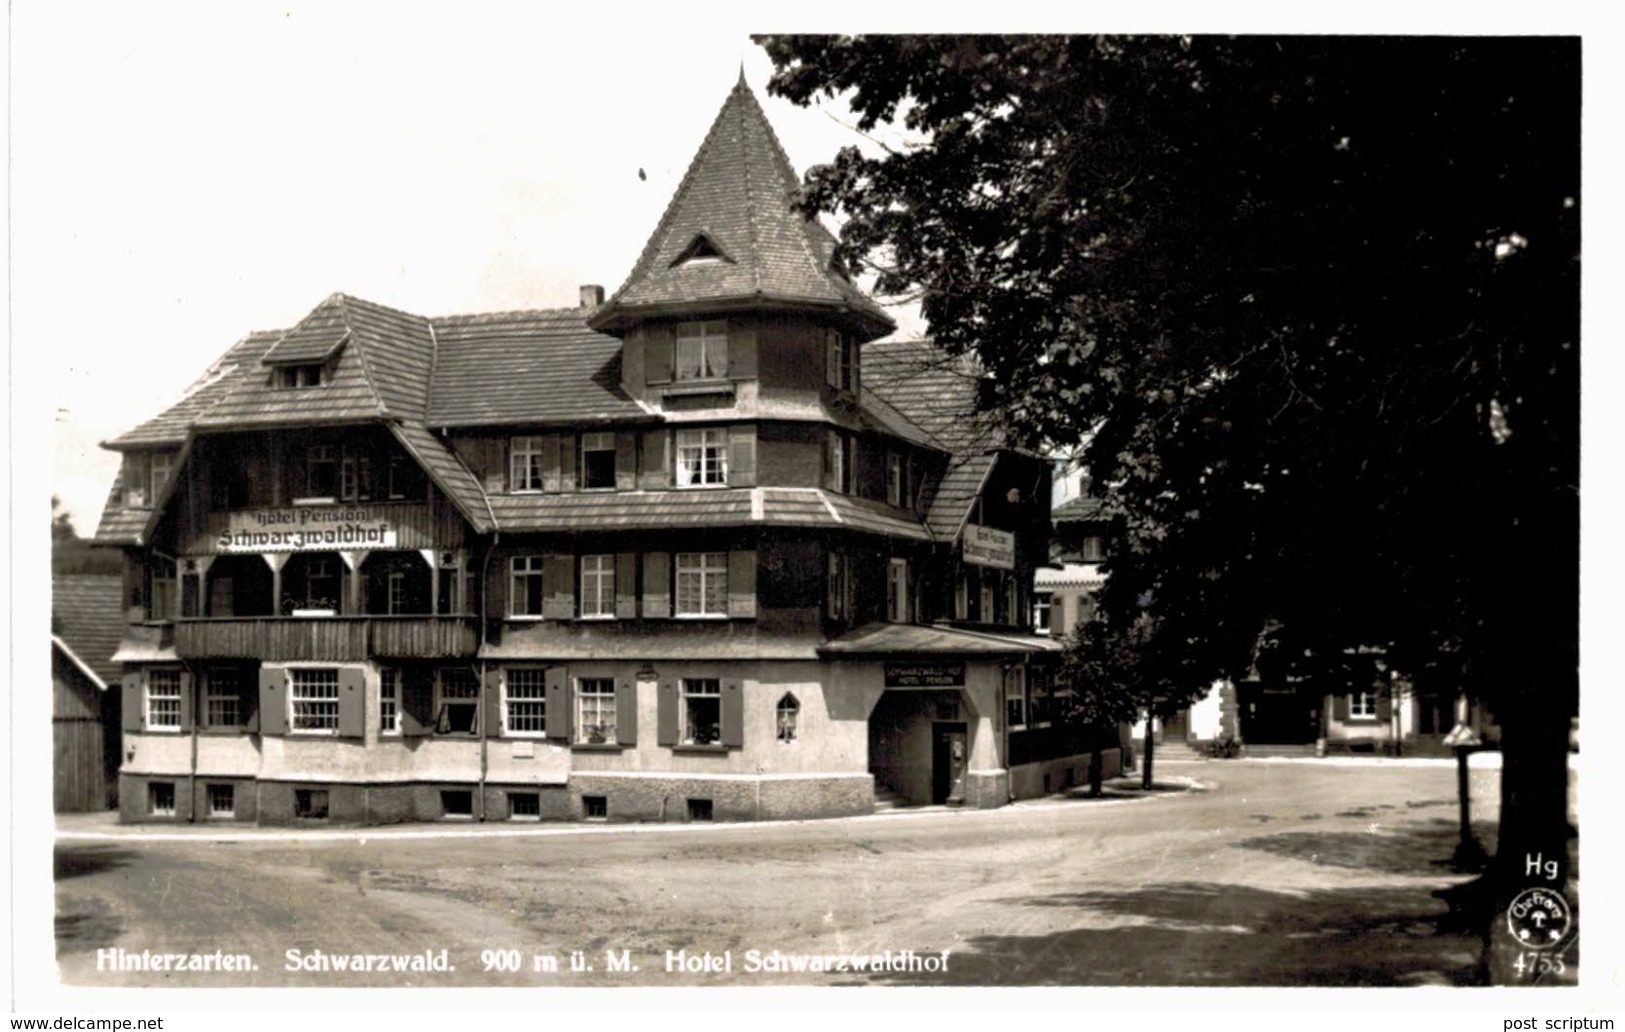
1310	307
72	554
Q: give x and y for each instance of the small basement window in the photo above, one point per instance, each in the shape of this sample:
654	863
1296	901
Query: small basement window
222	800
597	807
310	804
161	798
457	802
524	806
699	809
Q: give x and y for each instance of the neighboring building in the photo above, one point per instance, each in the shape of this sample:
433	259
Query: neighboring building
87	619
707	550
1064	588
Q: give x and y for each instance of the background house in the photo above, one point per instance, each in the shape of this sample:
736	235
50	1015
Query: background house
86	624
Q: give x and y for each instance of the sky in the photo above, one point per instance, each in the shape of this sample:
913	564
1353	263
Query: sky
200	172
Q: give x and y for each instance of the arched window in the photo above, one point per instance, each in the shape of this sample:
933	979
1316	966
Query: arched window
789	709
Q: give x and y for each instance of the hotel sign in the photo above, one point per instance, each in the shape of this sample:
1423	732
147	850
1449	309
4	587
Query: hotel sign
984	546
925	675
317	528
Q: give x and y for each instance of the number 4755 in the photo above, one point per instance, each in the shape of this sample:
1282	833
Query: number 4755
1536	964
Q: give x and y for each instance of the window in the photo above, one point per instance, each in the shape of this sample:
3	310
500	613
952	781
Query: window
525	464
702	457
310	804
596	807
702	584
224	696
597	586
458	706
457	802
597	462
161	798
1041	607
1362	706
839	371
702	711
293	377
355	477
1040	691
525	586
161	598
1092	549
986	595
524	700
524	806
321	474
222	800
836	604
897	591
699	809
1015	698
788	712
838	462
389	701
397	592
405	479
161	463
1012	601
313	696
595	711
894	478
321	586
702	350
163	700
962	598
137	473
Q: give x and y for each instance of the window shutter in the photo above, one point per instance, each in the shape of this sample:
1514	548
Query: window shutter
657	352
832	444
742	583
558	587
352	703
550	462
134	715
493	703
668	713
249	701
742	455
1340	706
741	353
273	701
626	586
733	714
626	461
832	358
1385	704
567	447
417	703
656	459
493	457
856	372
656	585
626	711
832	605
188	700
559	707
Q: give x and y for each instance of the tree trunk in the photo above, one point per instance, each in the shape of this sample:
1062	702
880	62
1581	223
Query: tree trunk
1535	839
1095	770
1150	747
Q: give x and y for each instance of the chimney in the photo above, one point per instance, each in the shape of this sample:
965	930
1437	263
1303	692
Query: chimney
592	295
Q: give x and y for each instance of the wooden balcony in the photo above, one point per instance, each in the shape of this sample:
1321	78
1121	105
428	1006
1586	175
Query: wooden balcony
328	638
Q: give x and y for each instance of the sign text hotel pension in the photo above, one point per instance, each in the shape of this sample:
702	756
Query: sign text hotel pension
302	529
985	546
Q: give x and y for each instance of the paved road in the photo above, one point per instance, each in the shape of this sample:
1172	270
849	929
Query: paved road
1272	874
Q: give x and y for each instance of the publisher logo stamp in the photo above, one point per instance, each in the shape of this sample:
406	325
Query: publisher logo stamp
1539	919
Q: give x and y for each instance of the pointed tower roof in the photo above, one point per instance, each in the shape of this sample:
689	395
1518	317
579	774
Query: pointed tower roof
732	239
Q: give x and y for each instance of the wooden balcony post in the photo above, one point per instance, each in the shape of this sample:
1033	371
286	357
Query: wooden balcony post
275	560
352	600
432	557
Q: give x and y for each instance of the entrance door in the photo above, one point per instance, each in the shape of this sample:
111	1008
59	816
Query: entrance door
949	753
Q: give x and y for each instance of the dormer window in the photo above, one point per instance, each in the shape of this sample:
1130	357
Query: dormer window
293	377
702	350
701	250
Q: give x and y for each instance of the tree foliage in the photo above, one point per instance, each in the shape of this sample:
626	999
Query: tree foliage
1310	306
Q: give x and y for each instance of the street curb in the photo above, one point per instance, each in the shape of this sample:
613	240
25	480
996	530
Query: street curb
139	833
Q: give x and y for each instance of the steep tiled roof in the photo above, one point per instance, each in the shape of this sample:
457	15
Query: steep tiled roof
87	614
448	473
120	525
526	367
739	193
937	393
1082	509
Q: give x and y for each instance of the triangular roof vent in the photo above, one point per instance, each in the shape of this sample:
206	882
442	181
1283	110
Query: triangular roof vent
700	248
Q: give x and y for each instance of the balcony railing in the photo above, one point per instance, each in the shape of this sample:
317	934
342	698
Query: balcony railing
330	638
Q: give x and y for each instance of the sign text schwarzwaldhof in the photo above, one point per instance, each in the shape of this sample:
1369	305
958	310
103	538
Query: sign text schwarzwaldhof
984	546
301	529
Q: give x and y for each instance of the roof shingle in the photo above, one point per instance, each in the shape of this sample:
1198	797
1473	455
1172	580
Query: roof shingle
87	614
